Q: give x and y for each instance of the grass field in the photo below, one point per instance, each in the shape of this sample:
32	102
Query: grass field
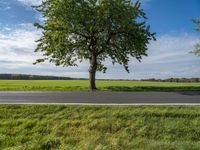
83	85
99	127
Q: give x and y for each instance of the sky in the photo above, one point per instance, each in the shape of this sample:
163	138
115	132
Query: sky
169	56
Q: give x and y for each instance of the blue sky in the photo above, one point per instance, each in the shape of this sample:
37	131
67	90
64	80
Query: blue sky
168	16
168	56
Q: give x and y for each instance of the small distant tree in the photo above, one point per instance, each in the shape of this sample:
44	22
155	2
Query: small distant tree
197	46
94	30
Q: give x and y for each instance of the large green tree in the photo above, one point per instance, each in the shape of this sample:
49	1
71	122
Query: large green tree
94	30
197	46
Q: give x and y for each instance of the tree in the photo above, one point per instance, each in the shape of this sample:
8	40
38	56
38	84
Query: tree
197	46
94	30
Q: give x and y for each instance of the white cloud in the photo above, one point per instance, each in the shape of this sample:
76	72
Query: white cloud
171	48
38	2
17	44
17	55
4	5
30	2
168	57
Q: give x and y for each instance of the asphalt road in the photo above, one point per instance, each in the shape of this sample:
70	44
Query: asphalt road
100	97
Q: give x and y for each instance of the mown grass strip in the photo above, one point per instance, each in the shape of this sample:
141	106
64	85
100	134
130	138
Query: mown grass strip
99	127
83	85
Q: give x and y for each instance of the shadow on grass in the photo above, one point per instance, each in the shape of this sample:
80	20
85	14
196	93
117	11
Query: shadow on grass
58	88
153	88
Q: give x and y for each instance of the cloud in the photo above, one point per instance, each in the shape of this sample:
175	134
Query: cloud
4	5
30	2
168	57
17	44
171	48
17	54
38	2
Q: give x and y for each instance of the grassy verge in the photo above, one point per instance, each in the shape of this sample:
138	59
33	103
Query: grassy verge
82	85
99	127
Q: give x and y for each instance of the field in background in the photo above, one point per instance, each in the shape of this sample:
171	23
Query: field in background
83	85
99	127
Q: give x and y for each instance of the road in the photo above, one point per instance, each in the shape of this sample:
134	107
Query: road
100	97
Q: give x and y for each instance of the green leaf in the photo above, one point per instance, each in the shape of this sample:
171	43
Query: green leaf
76	30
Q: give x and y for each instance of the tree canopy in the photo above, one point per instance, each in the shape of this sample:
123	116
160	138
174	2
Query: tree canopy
197	46
94	30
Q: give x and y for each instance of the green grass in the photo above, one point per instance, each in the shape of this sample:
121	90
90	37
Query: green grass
83	85
61	127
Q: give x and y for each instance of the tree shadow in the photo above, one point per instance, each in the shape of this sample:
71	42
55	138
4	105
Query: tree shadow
123	88
182	90
190	93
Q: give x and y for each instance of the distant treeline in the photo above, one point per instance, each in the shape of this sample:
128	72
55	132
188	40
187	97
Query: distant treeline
33	77
174	80
38	77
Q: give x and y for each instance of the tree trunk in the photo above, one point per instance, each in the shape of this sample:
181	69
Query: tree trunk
92	72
